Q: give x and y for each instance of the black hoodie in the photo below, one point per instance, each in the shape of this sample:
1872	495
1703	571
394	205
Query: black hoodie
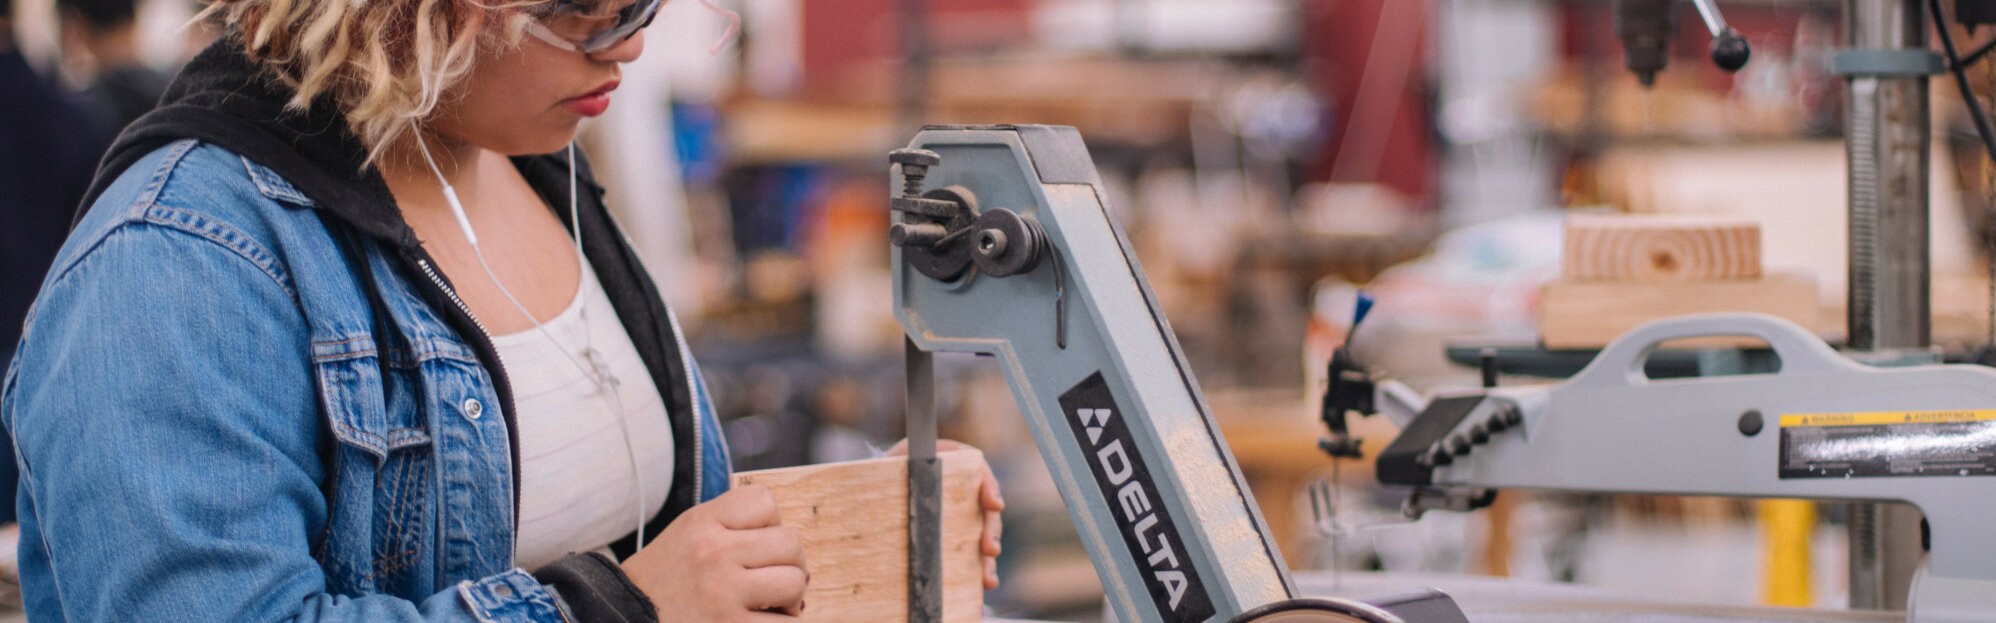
224	98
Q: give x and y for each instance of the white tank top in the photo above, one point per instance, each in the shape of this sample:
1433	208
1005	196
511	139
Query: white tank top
577	489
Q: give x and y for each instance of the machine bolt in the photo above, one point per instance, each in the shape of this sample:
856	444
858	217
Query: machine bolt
1341	446
1458	445
1511	416
1439	456
1486	362
1478	433
916	234
915	165
1495	424
1751	422
991	242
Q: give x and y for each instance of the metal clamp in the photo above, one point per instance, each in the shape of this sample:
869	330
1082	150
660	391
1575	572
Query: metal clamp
1887	63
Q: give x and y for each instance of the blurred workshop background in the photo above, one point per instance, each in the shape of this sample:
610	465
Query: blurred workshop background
1268	159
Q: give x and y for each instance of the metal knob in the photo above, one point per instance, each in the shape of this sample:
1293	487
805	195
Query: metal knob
915	165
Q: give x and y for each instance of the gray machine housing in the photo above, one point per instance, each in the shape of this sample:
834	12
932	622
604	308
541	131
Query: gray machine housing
1610	428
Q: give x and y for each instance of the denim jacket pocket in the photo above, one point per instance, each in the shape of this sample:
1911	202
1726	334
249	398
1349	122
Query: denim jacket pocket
380	511
353	395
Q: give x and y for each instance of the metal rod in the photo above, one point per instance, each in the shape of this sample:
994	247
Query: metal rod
1867	565
1710	12
925	492
1887	141
912	98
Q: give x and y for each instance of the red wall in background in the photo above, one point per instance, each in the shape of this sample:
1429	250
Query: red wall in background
841	36
1393	141
1393	144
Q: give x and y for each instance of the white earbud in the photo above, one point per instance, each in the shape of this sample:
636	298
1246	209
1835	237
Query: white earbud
450	196
457	210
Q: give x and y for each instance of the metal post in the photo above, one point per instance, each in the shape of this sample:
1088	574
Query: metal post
1887	141
912	99
925	492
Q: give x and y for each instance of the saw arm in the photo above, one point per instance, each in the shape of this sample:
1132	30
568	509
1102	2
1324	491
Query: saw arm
1005	247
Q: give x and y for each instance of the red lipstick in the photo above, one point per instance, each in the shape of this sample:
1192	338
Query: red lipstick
592	103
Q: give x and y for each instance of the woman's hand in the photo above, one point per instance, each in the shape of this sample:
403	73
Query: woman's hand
988	497
724	561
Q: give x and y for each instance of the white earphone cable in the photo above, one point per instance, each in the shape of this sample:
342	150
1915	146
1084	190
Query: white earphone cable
598	370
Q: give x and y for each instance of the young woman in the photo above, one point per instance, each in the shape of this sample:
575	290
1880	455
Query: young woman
348	335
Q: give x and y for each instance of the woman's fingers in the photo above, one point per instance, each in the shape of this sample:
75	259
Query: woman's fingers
746	508
990	573
775	589
988	494
992	501
994	529
770	547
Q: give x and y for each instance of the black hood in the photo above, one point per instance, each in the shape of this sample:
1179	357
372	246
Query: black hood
224	98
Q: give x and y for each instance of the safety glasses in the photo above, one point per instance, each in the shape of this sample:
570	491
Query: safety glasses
591	26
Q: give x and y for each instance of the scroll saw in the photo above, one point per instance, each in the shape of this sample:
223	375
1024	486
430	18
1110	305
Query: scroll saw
1004	246
1822	427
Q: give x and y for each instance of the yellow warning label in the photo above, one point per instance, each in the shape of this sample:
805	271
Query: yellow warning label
1886	417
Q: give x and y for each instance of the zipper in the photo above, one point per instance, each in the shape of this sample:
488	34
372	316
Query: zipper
430	272
693	385
506	410
693	392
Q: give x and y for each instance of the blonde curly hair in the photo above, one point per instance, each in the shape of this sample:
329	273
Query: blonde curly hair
385	63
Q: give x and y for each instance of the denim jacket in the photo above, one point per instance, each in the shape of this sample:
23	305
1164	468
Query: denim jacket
245	395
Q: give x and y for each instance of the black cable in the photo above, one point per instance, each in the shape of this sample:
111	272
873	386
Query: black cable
1961	81
1960	70
1976	55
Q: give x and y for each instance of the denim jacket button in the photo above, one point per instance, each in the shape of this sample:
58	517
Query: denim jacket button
473	409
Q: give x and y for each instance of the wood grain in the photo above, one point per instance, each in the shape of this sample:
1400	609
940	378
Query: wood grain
1589	314
853	517
1611	247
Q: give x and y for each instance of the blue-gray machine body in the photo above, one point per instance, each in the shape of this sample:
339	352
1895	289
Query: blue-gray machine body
1131	444
1822	427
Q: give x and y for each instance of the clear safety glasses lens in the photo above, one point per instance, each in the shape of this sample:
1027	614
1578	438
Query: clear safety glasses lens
570	26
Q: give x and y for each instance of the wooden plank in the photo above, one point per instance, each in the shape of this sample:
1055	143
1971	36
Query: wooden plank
853	517
1589	314
1625	247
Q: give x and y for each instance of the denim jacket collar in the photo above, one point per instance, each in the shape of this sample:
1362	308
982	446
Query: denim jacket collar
223	97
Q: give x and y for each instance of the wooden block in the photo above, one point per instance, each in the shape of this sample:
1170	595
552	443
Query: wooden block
853	517
1632	247
1589	314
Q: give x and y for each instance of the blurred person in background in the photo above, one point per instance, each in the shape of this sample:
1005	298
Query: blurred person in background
48	149
274	375
102	35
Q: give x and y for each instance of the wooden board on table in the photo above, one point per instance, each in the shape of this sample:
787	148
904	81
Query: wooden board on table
853	517
1630	247
1589	314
